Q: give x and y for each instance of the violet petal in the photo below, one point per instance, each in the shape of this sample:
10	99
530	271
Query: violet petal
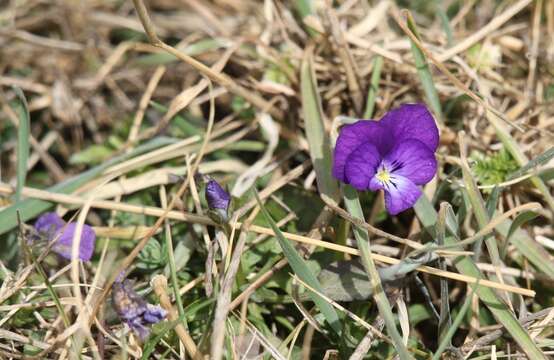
216	196
133	309
361	166
412	121
137	325
48	224
413	160
400	194
154	314
86	247
354	135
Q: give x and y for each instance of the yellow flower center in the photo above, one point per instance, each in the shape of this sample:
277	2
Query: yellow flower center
383	175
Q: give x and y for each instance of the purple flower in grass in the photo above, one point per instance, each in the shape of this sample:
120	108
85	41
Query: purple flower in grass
216	196
395	154
51	227
133	309
218	200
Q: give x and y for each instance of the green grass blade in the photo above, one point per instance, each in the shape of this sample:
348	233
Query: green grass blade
425	74
465	265
373	87
354	207
23	135
539	160
306	8
445	320
516	224
447	339
529	248
480	210
318	139
301	269
32	207
445	23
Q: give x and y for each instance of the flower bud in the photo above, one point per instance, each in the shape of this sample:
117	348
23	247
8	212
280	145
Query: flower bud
218	201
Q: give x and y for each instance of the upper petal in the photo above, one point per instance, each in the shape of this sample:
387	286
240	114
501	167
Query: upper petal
65	242
49	223
216	196
361	166
413	160
354	135
412	121
400	194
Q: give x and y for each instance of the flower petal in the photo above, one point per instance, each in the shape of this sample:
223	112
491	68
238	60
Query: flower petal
400	194
86	247
216	196
49	223
354	135
154	314
413	160
361	165
412	121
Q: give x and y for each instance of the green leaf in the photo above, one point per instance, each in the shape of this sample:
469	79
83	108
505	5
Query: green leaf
23	135
318	139
465	265
447	339
539	160
301	269
345	281
373	86
425	74
521	219
152	341
93	154
529	248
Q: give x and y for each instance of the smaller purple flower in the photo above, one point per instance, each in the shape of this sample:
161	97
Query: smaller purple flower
216	196
51	227
218	200
133	309
395	154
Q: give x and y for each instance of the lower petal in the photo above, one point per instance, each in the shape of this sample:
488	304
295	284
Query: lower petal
400	194
413	160
361	166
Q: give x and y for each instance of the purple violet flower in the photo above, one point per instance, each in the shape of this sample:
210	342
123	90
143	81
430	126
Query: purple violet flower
216	196
218	200
133	309
51	227
395	154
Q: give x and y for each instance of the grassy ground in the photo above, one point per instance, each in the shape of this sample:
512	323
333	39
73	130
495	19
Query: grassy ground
110	110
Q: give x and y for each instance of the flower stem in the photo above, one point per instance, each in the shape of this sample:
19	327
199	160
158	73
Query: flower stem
353	206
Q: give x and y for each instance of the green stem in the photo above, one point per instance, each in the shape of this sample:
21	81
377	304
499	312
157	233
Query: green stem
354	207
